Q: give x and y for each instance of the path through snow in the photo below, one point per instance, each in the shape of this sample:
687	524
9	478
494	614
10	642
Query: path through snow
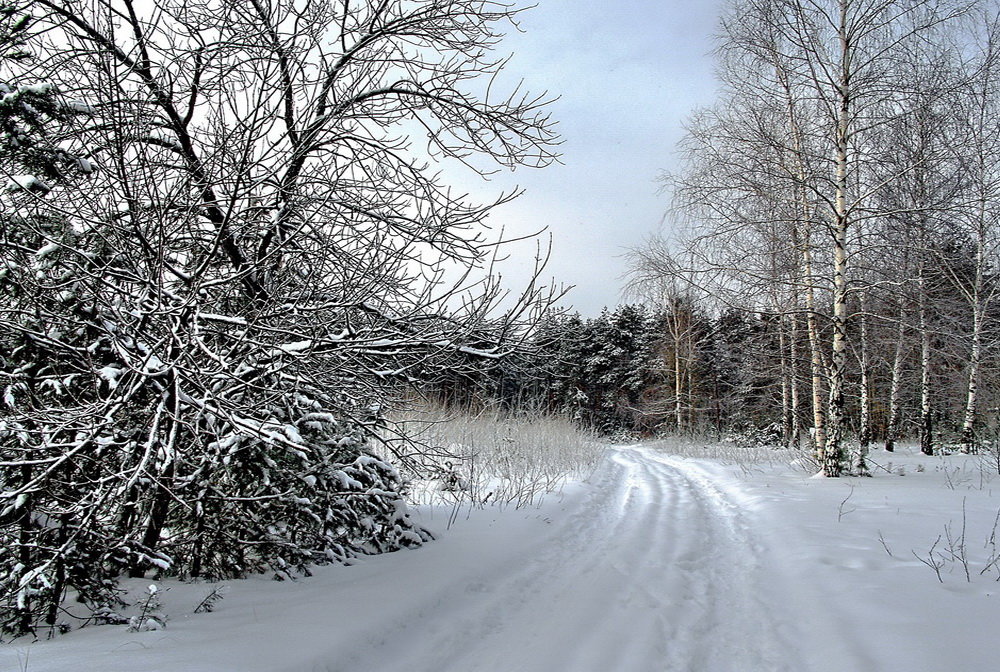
651	566
658	563
655	568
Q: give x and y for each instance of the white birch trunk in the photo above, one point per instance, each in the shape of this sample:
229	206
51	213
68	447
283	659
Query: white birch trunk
786	392
926	410
895	385
972	389
678	370
815	360
865	430
795	438
833	459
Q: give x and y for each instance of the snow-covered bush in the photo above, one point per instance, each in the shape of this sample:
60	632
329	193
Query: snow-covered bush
743	455
196	338
751	436
289	505
140	474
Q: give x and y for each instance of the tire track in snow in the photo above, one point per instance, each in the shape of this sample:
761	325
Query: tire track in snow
656	569
734	629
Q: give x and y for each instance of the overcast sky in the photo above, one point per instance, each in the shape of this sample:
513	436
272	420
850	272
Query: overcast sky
628	72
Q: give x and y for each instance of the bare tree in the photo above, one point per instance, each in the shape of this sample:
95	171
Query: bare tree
786	177
206	330
980	120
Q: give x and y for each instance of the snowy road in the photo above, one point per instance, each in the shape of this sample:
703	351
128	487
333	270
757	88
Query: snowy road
651	566
655	568
657	564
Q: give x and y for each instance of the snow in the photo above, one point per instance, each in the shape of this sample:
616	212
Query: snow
80	106
658	562
227	319
110	374
41	89
28	183
164	138
292	348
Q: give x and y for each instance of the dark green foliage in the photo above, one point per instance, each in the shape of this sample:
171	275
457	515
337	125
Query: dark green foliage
618	372
34	118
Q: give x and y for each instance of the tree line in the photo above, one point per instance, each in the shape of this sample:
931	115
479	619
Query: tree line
845	186
830	272
721	373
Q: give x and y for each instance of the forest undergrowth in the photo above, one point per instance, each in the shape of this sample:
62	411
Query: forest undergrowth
491	456
730	452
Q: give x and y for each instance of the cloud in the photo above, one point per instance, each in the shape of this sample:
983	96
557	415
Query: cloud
627	73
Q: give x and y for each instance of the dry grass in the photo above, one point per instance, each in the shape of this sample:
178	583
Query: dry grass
492	457
728	452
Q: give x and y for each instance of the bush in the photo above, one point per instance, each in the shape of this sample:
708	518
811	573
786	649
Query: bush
494	456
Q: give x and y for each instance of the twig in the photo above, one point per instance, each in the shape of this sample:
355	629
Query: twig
840	510
884	544
936	565
991	543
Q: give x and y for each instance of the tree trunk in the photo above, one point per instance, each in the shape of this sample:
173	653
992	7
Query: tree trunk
690	394
59	584
796	433
23	620
895	384
968	424
678	387
160	506
198	548
926	409
816	366
786	392
865	429
804	246
833	458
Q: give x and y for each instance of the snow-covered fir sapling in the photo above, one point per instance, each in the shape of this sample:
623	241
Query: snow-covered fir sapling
149	616
207	605
107	614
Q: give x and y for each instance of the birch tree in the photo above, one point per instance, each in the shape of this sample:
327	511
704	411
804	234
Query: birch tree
789	160
980	120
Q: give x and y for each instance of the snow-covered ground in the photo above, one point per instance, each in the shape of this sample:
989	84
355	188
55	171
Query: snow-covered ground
658	562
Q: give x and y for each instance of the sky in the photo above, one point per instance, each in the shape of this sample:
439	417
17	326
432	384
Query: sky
627	73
